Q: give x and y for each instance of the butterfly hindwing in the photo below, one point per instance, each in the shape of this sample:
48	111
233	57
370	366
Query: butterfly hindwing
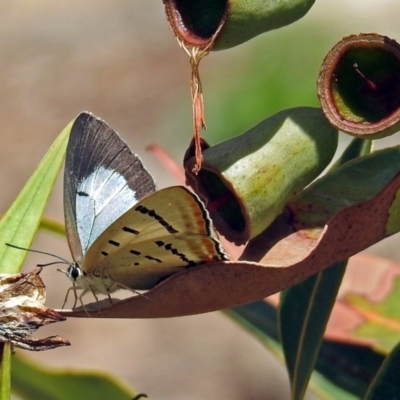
102	180
164	233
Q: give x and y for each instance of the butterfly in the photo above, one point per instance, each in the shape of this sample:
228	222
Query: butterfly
122	233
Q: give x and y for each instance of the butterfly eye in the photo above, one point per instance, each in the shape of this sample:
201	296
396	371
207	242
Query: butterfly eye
74	271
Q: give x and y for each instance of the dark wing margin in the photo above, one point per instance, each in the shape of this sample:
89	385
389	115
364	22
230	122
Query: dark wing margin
92	143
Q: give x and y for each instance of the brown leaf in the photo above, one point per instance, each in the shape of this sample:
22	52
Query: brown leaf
277	259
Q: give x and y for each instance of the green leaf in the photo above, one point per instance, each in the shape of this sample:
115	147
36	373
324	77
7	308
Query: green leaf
327	390
5	350
305	309
343	371
355	182
381	320
350	367
303	314
52	226
386	384
33	382
21	221
357	148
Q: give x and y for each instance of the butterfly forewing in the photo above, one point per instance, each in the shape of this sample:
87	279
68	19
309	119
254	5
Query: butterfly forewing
162	234
103	179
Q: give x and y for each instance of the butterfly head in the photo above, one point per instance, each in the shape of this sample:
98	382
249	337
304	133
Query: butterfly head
74	273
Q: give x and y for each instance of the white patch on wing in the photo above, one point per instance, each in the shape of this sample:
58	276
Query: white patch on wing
101	199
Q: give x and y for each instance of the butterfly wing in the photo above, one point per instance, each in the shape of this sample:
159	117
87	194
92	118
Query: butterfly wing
164	233
102	180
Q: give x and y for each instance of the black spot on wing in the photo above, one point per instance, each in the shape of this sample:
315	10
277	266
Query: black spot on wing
158	218
153	259
130	230
114	243
104	253
82	194
169	248
177	253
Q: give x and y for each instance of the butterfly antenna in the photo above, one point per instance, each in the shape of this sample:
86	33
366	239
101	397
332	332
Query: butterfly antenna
54	263
62	260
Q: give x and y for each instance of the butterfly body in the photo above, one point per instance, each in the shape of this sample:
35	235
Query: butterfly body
121	231
89	282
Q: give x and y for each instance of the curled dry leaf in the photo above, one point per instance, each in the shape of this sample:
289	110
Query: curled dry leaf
286	253
22	311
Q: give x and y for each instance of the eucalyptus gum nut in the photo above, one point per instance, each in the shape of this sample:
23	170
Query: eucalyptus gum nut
223	24
359	86
246	181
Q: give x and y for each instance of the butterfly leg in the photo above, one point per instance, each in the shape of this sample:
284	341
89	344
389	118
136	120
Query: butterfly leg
67	295
93	293
80	299
66	298
84	292
74	287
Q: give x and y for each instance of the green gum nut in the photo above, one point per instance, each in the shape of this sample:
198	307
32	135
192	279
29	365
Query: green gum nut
359	86
246	181
228	23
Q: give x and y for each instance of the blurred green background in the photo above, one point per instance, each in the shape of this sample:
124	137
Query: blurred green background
119	60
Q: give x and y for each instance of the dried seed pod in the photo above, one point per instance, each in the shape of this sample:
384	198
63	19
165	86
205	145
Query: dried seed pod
359	86
22	311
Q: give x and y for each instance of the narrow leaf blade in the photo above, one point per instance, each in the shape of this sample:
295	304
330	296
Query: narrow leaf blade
311	302
5	368
21	221
357	148
303	314
343	371
386	384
